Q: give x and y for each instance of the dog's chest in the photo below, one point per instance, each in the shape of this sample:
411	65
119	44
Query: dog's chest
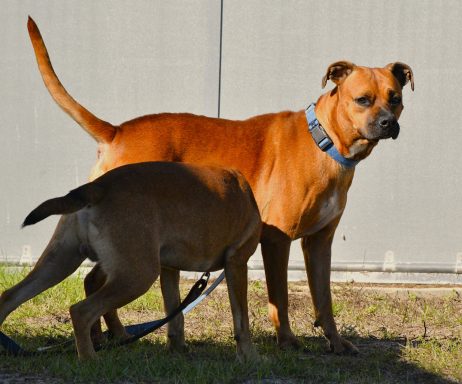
318	216
330	210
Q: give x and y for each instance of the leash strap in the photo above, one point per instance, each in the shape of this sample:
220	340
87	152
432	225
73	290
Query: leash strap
140	330
194	297
322	139
11	346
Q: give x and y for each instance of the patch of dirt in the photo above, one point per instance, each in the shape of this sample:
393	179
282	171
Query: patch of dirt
21	378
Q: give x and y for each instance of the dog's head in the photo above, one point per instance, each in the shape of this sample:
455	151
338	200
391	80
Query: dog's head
370	99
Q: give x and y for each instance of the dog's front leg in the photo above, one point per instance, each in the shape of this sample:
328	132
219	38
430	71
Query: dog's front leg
236	279
317	253
169	282
276	258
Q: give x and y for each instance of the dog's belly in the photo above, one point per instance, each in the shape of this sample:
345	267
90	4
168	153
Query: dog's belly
186	257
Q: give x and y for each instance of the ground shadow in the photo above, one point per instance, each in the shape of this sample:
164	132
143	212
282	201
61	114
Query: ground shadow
379	361
382	360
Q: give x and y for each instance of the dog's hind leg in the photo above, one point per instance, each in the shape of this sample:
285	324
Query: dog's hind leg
169	282
130	268
119	289
94	281
60	258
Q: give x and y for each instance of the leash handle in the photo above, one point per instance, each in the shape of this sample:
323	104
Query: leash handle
195	291
217	281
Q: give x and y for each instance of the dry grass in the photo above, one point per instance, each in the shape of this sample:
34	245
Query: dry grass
402	337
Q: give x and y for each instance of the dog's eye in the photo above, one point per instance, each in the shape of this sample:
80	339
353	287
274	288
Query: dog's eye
363	101
395	100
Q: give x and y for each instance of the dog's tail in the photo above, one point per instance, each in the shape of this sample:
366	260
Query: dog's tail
101	131
74	201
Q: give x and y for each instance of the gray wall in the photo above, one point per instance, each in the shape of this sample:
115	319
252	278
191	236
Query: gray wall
122	59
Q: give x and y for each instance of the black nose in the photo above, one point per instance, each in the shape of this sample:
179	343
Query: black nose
387	121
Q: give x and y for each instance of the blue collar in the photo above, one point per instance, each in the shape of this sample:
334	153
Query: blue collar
322	139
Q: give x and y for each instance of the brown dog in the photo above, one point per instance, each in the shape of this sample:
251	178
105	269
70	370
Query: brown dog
138	219
300	189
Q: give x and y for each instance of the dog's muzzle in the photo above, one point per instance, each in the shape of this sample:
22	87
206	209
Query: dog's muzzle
383	127
388	126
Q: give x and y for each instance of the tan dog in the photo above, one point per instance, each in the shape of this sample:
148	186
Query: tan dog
300	190
139	219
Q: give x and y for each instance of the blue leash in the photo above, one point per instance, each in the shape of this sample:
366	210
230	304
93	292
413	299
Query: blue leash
10	345
194	297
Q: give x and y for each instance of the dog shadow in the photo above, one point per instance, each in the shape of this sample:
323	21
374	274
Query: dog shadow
383	360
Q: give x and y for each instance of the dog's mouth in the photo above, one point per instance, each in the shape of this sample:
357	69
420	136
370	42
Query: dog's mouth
395	134
375	134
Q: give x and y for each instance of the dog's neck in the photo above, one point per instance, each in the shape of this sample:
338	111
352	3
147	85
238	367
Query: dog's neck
345	138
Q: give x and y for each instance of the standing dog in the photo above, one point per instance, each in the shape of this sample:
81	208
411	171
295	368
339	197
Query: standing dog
137	220
300	184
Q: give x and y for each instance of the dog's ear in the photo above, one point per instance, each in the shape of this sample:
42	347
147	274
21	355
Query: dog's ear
337	72
402	72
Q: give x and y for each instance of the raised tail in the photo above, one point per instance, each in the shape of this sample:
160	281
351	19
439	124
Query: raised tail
74	201
101	130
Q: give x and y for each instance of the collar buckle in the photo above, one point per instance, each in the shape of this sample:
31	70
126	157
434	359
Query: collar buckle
320	136
322	139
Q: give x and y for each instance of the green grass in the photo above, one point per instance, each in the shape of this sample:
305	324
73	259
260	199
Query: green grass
403	338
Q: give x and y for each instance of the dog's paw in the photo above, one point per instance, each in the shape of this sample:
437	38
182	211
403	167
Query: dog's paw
343	347
87	355
289	342
98	339
249	355
177	346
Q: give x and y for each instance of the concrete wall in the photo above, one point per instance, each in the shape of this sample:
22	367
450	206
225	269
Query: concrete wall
122	59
